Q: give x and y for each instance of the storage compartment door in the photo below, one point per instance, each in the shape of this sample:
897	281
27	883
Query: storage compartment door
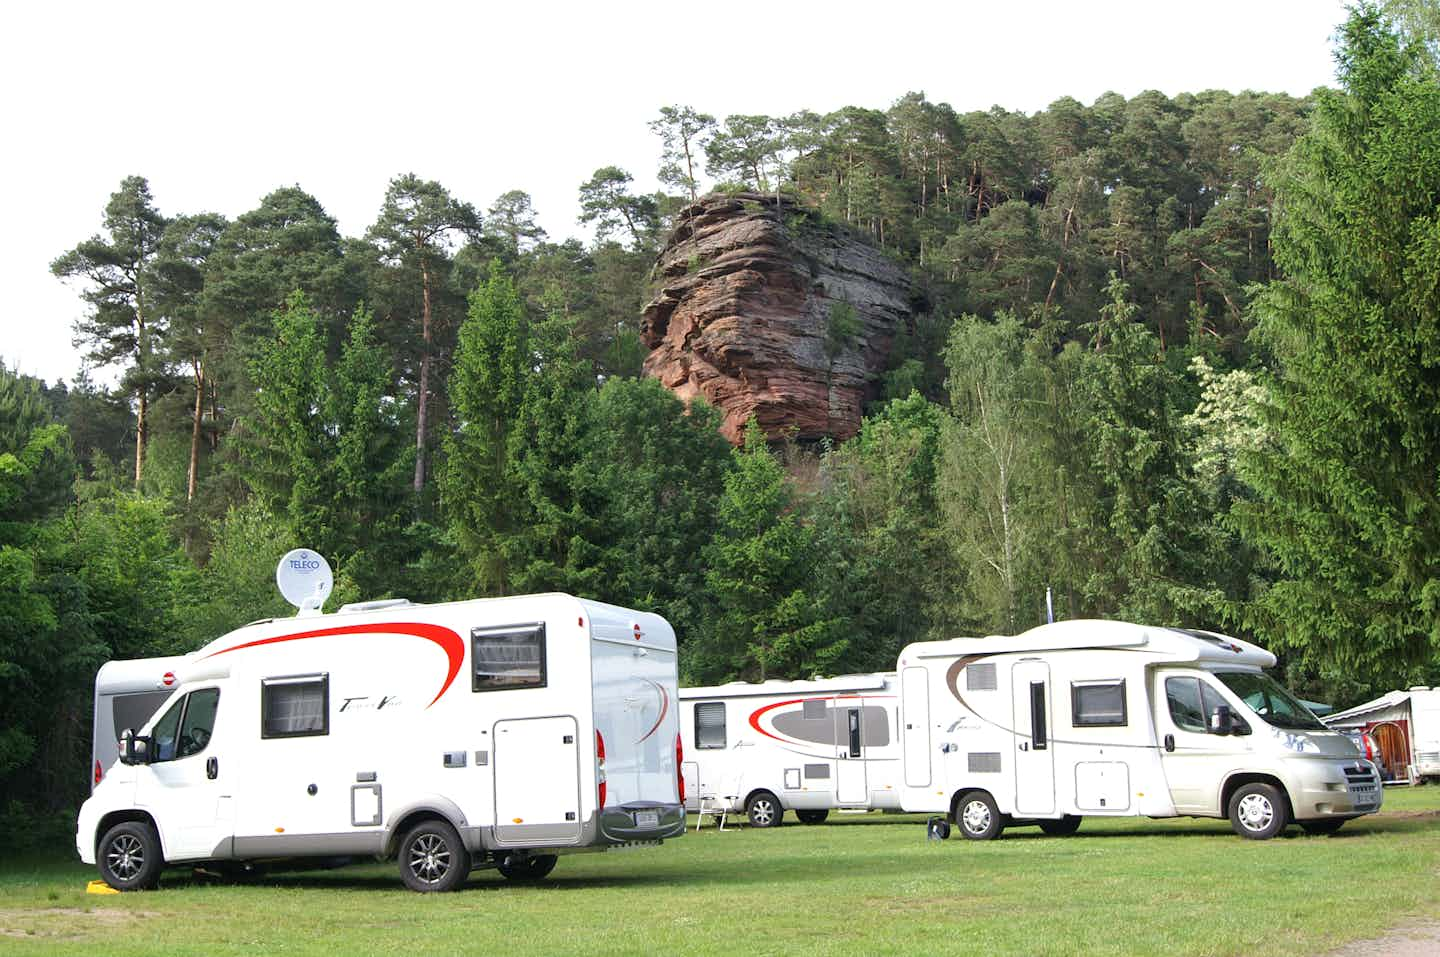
537	781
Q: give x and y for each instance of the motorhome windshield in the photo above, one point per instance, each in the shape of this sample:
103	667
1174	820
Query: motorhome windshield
1267	698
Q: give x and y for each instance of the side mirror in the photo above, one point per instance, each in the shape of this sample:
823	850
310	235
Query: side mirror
134	749
1222	721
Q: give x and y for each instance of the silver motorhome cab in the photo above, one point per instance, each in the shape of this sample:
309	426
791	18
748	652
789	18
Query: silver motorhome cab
1106	718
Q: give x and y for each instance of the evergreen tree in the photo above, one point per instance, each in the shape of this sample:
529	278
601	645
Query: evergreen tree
123	326
759	567
414	228
1347	499
487	390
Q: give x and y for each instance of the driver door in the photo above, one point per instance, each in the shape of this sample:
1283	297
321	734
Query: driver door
1195	761
185	787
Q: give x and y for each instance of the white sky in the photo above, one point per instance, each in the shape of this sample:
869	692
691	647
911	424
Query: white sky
218	104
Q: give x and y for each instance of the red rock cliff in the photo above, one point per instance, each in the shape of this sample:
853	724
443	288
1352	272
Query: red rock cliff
769	311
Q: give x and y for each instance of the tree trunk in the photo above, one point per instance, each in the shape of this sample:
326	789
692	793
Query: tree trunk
199	367
142	428
422	400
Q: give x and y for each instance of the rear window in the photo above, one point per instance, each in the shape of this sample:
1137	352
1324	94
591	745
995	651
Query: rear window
508	657
133	710
295	707
710	725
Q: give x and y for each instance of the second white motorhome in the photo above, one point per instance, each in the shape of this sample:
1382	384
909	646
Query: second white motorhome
490	733
806	746
1106	718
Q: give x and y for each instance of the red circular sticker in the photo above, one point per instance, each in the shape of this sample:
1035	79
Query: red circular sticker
168	679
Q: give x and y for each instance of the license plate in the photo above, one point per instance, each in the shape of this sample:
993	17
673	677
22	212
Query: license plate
647	818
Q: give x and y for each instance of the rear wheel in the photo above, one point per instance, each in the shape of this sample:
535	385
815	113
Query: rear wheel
432	857
1325	826
978	817
529	869
812	817
1061	827
1258	811
763	809
129	856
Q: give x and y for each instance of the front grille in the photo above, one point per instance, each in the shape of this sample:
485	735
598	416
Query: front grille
1361	781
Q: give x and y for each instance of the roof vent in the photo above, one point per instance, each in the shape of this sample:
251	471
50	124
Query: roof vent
374	605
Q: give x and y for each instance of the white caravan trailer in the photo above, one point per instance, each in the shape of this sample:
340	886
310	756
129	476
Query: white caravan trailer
808	746
1109	719
127	693
488	733
1406	724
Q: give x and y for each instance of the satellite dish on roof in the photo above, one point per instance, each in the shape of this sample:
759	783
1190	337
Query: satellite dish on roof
304	578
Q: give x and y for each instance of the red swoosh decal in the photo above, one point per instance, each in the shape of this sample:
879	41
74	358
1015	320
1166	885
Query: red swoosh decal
664	708
449	641
755	717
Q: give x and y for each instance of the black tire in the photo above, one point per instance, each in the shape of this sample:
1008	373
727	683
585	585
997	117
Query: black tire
812	817
433	858
1259	811
1061	827
1325	826
764	810
530	869
978	817
129	857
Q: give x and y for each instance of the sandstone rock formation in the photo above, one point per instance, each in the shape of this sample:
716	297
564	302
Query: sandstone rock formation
767	310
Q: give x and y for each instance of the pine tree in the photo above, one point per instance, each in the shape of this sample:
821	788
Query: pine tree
1348	502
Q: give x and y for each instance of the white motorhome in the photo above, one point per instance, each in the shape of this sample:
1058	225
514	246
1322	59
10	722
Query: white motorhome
1105	718
489	733
806	746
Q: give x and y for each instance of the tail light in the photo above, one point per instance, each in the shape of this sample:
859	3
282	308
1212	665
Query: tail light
680	766
99	773
600	764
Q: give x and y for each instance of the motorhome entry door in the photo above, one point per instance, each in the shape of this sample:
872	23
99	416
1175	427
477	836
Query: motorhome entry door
1034	748
850	785
537	781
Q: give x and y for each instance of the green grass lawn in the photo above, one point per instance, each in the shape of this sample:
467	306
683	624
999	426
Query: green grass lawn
864	884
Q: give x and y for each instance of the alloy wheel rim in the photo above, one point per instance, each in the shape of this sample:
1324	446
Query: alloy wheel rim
429	858
977	817
763	813
125	857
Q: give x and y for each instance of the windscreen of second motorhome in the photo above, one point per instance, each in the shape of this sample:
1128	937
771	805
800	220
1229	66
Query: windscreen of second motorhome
1267	698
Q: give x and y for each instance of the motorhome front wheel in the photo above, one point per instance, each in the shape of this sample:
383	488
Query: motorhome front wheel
129	856
1258	811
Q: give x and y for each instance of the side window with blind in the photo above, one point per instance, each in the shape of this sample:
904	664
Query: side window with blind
509	657
710	725
295	706
1098	704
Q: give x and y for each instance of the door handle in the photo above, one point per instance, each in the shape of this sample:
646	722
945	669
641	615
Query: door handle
1169	742
1024	745
212	767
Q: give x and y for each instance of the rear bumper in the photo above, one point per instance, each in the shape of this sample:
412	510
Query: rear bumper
628	823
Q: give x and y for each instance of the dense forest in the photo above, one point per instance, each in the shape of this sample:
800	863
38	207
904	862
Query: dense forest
1173	359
